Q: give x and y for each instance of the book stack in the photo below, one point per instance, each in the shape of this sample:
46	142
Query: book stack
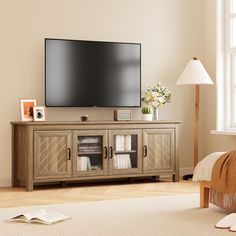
89	149
123	142
89	145
122	161
83	163
88	140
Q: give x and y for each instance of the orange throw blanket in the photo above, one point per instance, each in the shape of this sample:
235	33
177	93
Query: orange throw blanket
223	182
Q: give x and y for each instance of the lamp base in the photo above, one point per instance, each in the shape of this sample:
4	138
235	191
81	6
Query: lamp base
187	177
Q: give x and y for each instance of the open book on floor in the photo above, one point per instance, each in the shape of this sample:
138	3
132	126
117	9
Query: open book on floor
39	216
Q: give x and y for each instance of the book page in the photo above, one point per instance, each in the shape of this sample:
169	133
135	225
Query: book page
50	218
19	218
33	214
28	216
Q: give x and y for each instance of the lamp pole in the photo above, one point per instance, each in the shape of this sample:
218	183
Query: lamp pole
194	74
196	119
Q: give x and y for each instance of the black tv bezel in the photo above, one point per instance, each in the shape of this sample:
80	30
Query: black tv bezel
77	40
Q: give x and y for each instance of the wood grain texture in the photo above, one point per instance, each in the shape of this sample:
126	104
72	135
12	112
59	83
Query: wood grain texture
51	154
196	119
40	150
177	145
161	150
204	193
19	168
13	197
29	154
95	122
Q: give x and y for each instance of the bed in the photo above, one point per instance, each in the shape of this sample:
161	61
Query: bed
202	173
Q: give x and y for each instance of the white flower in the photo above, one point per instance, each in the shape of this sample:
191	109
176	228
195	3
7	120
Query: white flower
157	95
154	94
161	100
155	104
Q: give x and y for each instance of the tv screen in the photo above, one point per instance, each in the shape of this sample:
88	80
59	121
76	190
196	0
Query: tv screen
88	73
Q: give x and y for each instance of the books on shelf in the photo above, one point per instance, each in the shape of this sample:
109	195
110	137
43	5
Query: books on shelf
123	142
96	167
127	142
88	140
120	142
89	149
122	161
39	216
83	163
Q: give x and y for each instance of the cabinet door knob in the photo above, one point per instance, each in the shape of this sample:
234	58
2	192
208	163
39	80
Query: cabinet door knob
111	152
144	150
69	154
105	148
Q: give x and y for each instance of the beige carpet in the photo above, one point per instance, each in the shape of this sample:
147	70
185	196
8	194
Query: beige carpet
151	216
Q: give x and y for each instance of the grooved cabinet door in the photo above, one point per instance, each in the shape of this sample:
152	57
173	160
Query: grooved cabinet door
159	148
52	154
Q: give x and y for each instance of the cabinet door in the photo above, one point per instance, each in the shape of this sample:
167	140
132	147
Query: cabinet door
91	153
52	154
125	152
159	150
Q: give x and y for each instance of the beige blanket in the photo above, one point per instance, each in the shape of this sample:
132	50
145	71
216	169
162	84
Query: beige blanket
223	186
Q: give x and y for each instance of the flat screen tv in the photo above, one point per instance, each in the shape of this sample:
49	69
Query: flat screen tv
82	73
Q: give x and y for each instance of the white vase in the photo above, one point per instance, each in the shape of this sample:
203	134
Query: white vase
155	113
147	117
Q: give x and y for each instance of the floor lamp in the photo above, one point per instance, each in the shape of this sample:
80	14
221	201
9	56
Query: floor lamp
194	74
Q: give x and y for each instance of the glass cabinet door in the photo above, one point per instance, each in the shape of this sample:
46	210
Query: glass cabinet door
91	153
125	151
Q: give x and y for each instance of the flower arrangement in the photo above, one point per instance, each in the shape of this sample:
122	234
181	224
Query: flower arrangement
157	96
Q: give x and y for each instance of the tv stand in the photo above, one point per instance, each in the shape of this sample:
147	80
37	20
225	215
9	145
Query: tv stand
46	152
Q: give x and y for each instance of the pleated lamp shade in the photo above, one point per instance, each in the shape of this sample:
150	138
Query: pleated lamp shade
194	73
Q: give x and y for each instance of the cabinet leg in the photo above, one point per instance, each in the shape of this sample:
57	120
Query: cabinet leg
175	178
156	178
15	183
131	180
29	187
63	184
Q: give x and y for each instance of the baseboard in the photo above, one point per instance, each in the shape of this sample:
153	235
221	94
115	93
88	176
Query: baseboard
5	182
185	171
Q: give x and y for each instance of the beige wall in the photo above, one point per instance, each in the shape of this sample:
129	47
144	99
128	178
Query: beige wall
212	142
171	32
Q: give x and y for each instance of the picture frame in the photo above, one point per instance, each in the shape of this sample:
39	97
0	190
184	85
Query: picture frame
39	113
122	115
26	108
